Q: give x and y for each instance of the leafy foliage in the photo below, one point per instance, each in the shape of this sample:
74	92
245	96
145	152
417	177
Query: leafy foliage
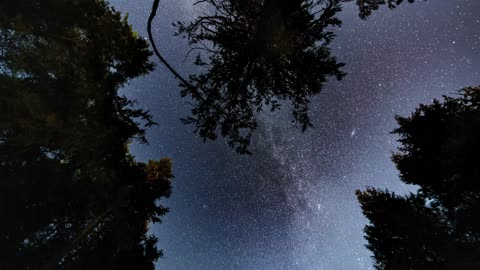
71	196
437	228
259	54
366	7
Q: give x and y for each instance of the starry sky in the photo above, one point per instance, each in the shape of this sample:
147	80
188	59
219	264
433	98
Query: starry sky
291	205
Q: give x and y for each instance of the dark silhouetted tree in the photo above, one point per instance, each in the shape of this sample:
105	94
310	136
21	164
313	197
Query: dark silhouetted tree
259	54
367	7
255	55
438	227
71	195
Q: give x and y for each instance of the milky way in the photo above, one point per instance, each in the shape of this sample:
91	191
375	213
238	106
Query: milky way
292	205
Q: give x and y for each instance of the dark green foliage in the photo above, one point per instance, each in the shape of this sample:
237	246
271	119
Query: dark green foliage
366	7
437	228
71	196
260	53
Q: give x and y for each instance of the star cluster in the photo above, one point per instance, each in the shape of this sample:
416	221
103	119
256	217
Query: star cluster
292	205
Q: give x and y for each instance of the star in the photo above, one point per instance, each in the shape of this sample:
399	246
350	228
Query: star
394	60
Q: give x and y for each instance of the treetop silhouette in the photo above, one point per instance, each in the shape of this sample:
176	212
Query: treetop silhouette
71	194
438	227
259	54
256	55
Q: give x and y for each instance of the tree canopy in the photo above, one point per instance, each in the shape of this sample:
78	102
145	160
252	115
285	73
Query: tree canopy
71	195
367	7
437	227
256	55
259	54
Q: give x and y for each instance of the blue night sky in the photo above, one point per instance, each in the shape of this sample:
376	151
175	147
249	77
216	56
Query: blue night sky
292	205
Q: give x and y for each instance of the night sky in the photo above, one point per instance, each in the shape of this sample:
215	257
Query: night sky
291	205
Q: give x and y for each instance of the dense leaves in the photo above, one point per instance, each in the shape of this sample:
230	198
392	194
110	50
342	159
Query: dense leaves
437	228
71	196
367	7
260	53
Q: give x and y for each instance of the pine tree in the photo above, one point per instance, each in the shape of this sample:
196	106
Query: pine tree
256	55
71	195
438	227
367	7
260	53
